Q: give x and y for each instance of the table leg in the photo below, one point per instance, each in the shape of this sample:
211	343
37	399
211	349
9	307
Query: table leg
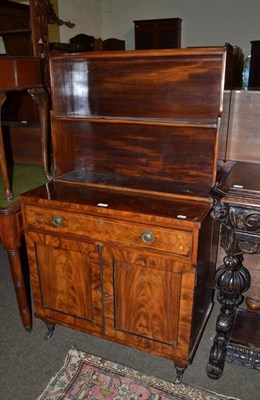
10	237
20	287
3	164
232	279
40	96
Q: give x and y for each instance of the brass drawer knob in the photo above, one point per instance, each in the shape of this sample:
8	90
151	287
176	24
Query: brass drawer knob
57	221
147	237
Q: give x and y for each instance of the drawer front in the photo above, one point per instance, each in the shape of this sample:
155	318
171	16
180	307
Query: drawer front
108	230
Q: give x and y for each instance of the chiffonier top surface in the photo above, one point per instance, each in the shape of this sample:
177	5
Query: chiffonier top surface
138	120
155	209
240	185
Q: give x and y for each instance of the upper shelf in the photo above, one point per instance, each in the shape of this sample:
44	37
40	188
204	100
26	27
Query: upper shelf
182	84
138	120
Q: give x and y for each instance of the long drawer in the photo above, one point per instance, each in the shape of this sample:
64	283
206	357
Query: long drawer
108	230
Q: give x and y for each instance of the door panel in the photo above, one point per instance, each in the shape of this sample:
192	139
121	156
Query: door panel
65	280
148	301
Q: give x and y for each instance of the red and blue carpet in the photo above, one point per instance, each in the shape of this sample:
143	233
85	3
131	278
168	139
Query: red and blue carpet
85	376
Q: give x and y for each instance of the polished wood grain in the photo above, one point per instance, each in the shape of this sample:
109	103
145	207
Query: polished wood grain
149	295
11	238
140	155
68	290
135	109
106	229
155	208
20	73
240	185
130	323
153	276
147	84
135	140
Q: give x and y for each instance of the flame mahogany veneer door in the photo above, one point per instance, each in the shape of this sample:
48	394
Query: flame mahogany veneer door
148	300
65	278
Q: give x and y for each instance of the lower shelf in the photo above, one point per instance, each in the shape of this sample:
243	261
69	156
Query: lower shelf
244	345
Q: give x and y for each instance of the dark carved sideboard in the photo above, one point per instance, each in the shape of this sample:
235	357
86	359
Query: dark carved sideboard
237	208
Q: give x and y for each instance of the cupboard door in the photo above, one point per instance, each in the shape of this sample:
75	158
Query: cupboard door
66	281
148	302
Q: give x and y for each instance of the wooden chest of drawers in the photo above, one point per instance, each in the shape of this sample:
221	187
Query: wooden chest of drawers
132	276
121	243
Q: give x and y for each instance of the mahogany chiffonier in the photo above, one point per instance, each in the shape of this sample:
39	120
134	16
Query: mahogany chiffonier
121	244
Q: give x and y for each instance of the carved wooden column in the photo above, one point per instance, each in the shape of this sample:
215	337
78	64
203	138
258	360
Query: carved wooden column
237	208
232	280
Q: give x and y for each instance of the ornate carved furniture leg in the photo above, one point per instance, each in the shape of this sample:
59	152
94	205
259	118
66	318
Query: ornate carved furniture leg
8	192
232	279
39	95
237	208
10	237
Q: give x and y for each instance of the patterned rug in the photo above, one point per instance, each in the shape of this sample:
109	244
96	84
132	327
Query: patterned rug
85	376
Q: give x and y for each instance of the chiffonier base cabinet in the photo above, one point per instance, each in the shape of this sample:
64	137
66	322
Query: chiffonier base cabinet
121	243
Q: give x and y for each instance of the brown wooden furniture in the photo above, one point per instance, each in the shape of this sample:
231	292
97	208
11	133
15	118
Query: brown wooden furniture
234	67
11	237
25	176
24	29
20	73
15	28
121	244
254	75
112	44
158	33
237	207
83	43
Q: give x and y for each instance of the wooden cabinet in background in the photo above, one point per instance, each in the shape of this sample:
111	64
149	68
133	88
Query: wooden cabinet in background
15	28
254	75
24	29
158	34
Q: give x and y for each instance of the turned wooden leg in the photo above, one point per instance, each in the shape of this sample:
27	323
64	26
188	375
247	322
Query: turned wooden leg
3	164
232	279
20	288
40	96
11	238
